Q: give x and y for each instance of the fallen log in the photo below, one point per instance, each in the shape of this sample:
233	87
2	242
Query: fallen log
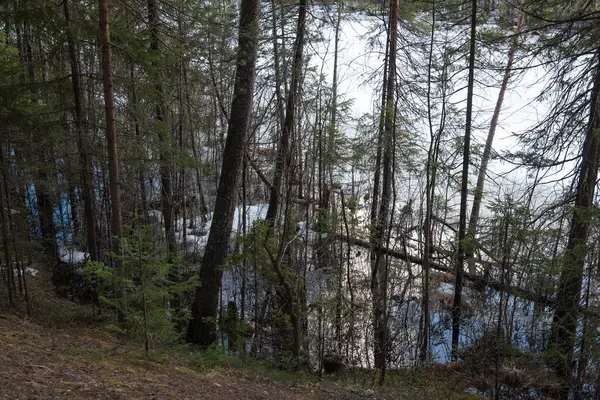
476	279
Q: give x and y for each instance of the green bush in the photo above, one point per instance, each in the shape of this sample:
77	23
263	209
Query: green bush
141	286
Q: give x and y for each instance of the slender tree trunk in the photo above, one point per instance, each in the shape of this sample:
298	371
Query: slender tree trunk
138	134
116	221
45	205
566	314
462	224
288	292
283	160
429	193
380	262
487	150
202	327
278	69
84	157
166	191
6	231
201	196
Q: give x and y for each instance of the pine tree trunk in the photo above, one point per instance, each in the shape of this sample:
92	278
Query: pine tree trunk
138	135
202	327
283	159
565	321
84	157
379	263
460	259
116	221
166	190
6	231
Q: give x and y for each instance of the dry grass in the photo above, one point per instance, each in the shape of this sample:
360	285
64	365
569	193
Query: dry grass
62	350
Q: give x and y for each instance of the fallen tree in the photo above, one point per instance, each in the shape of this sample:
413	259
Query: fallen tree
476	279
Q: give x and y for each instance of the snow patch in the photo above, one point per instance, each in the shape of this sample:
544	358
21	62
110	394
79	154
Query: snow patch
71	256
28	270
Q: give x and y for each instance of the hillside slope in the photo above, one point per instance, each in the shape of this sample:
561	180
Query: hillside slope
61	352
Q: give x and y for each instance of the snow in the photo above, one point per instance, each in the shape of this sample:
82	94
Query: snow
28	270
446	287
72	256
360	57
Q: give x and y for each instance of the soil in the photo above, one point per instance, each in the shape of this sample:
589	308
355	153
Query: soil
60	352
40	362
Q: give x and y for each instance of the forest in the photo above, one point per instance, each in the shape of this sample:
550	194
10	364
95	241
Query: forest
329	186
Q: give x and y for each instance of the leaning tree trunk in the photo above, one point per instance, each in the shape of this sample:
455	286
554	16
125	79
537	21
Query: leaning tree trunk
487	150
462	224
202	327
564	324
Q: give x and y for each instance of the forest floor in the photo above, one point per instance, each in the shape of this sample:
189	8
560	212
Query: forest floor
59	351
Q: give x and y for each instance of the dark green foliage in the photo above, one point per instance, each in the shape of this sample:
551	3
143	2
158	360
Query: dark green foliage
141	288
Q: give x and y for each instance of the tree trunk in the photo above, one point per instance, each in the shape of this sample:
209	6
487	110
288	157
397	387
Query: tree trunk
564	324
380	263
5	228
289	296
283	160
485	157
84	157
462	224
202	327
138	135
116	221
166	184
45	205
431	172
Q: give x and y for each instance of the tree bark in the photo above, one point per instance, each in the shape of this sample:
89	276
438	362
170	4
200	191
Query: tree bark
564	324
283	160
485	157
116	221
166	184
84	157
202	327
379	264
460	259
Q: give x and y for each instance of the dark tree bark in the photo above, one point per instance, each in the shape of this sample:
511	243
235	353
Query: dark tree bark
116	220
283	160
138	134
202	327
84	157
45	206
6	231
462	223
289	294
564	324
379	264
166	184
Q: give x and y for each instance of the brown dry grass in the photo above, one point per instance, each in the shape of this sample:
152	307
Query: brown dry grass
62	351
